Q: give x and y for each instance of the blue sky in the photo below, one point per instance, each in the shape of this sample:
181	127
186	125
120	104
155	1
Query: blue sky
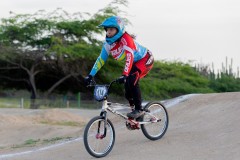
203	31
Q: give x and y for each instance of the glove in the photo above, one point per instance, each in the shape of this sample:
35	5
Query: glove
121	79
88	79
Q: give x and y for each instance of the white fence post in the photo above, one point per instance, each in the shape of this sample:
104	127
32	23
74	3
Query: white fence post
22	102
67	104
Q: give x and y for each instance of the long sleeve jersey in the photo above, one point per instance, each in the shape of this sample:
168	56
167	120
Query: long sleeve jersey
125	49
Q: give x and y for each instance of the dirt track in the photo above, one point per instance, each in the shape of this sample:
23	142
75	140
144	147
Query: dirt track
202	127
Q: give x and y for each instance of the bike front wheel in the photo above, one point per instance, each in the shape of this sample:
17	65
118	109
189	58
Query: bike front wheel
99	137
157	116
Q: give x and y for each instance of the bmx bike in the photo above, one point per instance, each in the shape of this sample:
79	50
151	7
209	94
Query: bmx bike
99	133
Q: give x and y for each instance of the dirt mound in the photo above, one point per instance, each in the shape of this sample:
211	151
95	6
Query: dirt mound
13	119
39	116
57	115
19	125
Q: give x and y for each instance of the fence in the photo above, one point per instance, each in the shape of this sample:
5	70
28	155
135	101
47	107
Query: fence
13	102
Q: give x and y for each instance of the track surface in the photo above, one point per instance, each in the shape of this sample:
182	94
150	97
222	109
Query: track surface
203	127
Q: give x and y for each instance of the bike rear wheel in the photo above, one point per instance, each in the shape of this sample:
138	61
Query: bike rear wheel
95	142
159	121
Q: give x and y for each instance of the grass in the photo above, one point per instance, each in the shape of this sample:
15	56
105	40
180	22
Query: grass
35	142
9	103
53	140
64	123
27	143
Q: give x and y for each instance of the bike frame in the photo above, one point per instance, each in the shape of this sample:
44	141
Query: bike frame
106	107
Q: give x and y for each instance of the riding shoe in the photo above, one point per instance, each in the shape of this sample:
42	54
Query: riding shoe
135	114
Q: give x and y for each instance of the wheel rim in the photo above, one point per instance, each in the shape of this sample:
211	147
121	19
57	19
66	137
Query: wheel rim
158	128
96	143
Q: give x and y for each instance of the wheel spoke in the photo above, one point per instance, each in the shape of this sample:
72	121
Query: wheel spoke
158	115
96	143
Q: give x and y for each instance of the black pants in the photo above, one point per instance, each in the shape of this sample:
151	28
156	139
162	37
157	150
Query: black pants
132	89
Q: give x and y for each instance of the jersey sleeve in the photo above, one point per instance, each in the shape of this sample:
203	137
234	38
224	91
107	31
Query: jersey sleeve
101	60
129	47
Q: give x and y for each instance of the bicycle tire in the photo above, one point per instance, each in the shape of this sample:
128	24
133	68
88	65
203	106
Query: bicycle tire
87	137
147	129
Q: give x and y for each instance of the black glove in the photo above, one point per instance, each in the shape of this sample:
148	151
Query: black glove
121	79
88	79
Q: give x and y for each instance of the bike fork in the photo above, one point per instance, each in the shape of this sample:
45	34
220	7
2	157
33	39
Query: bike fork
99	136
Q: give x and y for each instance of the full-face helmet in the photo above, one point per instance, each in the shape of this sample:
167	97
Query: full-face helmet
117	23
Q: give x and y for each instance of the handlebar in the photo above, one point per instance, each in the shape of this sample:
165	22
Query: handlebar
93	83
100	91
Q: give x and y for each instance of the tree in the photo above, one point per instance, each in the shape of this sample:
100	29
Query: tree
32	43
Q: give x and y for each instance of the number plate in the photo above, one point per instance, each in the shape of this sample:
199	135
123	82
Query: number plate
100	92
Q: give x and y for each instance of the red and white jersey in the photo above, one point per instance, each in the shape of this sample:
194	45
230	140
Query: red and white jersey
126	48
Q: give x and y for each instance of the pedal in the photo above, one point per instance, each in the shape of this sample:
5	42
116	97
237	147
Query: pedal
132	124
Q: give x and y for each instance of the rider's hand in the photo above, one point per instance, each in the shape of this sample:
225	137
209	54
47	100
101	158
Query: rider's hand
122	79
88	79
